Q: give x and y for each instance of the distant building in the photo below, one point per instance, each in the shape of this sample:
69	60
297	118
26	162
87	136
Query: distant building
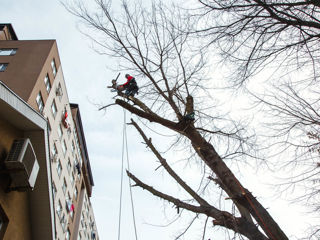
32	69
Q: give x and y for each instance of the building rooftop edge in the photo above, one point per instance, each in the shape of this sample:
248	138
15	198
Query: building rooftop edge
24	102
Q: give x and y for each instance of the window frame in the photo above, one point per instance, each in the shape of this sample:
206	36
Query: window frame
69	165
72	178
75	193
13	51
54	67
59	209
60	132
49	126
39	101
63	221
59	91
54	190
64	186
64	147
73	148
59	168
68	202
47	83
3	66
54	150
54	109
68	234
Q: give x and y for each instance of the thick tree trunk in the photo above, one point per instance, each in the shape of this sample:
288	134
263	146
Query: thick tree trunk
236	191
240	195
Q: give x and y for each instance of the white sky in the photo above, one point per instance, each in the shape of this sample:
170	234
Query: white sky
86	76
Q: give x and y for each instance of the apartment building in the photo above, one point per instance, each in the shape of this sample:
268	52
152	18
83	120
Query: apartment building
26	203
32	69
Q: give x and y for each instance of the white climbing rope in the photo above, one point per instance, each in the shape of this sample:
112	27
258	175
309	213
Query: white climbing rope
125	149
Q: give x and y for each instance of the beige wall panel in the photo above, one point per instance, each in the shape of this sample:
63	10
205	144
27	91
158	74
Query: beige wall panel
15	204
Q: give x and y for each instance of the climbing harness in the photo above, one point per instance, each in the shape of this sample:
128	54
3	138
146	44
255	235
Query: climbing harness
125	154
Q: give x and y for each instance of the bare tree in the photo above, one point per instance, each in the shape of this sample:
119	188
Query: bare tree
281	37
292	122
258	34
157	46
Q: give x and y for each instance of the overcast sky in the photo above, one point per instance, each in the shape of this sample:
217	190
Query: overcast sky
86	77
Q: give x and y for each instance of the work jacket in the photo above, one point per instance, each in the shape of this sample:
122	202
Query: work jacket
130	79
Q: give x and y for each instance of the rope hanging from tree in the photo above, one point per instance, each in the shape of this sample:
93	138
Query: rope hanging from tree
125	154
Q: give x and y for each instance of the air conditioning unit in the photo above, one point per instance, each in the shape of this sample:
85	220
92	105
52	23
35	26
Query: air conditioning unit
22	165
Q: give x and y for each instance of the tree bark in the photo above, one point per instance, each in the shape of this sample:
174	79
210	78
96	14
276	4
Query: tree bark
239	194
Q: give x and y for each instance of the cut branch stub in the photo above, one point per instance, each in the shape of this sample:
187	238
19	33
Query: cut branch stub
189	105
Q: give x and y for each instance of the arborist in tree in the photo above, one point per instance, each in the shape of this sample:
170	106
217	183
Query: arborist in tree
130	87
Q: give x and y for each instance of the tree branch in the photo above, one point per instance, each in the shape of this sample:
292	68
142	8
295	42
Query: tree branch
172	173
221	218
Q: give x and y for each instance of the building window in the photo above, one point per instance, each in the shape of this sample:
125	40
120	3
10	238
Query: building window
49	126
54	190
72	178
91	224
75	193
3	66
59	91
82	220
63	222
54	153
75	161
47	83
8	51
69	206
59	168
69	165
77	144
54	109
53	66
40	102
68	235
64	186
60	133
69	131
64	147
68	199
87	210
73	148
59	209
